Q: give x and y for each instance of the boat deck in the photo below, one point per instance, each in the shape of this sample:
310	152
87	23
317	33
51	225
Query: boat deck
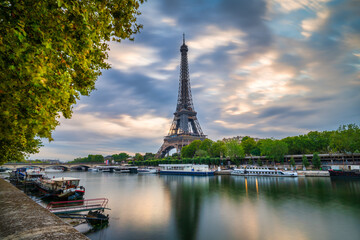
78	205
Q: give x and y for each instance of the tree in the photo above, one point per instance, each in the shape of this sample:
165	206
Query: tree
149	156
234	151
292	161
217	149
184	151
316	161
274	149
346	138
188	151
52	51
120	157
305	161
138	157
201	153
248	144
206	145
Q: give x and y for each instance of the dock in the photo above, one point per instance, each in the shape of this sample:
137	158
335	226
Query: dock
66	207
22	218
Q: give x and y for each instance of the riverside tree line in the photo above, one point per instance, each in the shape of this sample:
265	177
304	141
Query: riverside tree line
346	139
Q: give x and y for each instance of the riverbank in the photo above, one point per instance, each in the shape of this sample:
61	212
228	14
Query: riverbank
22	218
309	173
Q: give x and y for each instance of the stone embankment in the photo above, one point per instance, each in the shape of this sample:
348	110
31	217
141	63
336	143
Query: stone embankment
313	173
22	218
300	173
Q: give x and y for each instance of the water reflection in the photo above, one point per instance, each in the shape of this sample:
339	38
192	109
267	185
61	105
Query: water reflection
187	194
225	207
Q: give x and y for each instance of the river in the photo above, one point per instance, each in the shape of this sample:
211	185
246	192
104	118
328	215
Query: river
224	207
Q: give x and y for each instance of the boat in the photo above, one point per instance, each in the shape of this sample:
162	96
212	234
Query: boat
147	170
344	173
186	169
262	171
93	169
5	170
54	170
97	218
62	188
28	174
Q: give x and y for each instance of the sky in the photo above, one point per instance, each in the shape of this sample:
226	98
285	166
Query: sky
259	68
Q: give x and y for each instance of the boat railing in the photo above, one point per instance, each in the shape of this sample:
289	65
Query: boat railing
77	205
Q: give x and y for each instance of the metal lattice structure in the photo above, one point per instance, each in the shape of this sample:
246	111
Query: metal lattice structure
185	127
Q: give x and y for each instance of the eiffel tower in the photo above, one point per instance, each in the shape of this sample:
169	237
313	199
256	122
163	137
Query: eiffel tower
185	127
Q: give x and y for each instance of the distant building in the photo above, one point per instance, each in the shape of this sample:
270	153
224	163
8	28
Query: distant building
239	139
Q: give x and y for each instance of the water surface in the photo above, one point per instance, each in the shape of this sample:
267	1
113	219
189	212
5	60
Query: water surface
224	207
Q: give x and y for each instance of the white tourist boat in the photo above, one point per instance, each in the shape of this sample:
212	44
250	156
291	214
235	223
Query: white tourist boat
186	169
262	171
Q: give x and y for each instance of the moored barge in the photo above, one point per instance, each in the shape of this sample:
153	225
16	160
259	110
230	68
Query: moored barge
186	169
262	171
344	173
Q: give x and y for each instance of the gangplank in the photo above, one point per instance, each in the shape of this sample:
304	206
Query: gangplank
65	207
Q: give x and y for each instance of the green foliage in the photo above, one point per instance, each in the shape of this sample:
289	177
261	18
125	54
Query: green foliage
274	149
259	162
149	156
206	145
201	153
234	151
346	139
305	161
89	159
316	161
217	149
309	143
255	151
52	51
120	157
190	150
138	157
248	145
292	161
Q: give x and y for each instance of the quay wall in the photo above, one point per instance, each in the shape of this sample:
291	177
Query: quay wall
22	218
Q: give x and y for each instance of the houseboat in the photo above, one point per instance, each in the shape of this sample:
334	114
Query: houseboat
62	188
262	171
186	169
27	174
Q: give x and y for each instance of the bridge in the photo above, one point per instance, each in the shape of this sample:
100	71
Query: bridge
65	166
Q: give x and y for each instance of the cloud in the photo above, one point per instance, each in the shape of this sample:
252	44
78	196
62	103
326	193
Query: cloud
145	126
313	24
261	68
213	37
293	5
129	57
